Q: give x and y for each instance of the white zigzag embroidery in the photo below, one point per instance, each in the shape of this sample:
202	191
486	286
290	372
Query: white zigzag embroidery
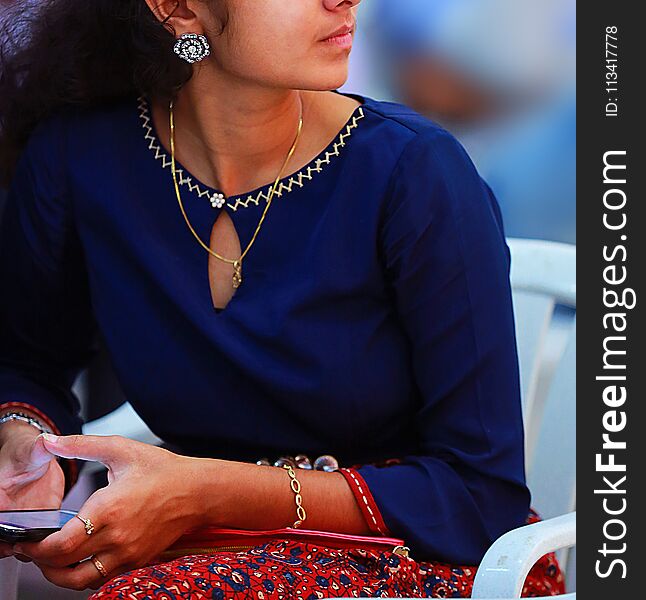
285	186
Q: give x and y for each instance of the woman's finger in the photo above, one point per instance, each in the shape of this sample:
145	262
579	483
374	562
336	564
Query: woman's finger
38	454
5	550
105	449
29	455
94	544
22	558
85	574
72	542
56	546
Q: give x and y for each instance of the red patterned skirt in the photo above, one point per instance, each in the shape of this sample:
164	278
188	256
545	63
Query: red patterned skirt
286	569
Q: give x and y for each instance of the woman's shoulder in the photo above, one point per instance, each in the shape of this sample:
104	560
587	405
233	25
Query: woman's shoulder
101	123
429	168
402	121
413	143
67	140
72	129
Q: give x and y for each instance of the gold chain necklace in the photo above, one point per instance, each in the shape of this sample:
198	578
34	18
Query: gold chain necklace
237	263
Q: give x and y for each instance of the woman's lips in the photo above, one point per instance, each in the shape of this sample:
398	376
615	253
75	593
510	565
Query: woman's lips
341	41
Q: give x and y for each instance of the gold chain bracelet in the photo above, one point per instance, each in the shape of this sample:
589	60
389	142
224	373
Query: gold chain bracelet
295	484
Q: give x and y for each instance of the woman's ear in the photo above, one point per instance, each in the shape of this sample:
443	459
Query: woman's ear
176	15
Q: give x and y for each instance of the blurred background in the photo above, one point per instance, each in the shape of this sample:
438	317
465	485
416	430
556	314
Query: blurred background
498	74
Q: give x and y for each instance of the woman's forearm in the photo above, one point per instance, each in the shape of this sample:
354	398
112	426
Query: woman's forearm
248	496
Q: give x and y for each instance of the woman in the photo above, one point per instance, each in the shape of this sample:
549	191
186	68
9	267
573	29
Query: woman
282	270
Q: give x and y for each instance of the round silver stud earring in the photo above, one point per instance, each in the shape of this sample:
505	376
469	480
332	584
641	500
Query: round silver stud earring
192	47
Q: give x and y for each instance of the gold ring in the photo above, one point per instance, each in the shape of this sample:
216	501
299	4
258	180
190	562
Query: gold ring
99	565
89	526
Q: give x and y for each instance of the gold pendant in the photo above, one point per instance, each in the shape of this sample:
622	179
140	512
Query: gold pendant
237	274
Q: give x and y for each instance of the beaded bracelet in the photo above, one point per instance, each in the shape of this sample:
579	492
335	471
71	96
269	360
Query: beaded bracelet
19	416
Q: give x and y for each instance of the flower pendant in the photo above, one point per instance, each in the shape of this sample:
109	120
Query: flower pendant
217	200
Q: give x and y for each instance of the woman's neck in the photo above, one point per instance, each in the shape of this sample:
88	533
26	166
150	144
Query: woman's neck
235	137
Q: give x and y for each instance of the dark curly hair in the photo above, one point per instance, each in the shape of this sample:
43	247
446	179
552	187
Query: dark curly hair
71	54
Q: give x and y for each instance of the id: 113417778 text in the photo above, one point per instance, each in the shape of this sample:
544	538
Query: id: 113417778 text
612	68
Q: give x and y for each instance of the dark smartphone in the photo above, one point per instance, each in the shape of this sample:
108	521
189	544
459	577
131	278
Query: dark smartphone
31	525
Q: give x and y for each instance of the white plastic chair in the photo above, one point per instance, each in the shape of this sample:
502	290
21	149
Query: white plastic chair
543	274
502	571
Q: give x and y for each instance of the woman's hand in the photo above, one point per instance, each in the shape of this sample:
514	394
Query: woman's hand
151	499
30	477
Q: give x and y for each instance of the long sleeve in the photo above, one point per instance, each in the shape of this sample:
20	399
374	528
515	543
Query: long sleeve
447	264
46	323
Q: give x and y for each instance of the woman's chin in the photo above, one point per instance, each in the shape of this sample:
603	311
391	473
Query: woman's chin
326	79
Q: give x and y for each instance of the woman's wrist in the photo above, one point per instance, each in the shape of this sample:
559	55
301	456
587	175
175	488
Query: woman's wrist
244	495
40	423
13	429
210	492
240	495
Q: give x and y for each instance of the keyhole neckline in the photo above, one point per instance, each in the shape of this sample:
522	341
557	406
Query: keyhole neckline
286	184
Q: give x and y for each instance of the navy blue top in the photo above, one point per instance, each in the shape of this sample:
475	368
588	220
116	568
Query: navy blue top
374	319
